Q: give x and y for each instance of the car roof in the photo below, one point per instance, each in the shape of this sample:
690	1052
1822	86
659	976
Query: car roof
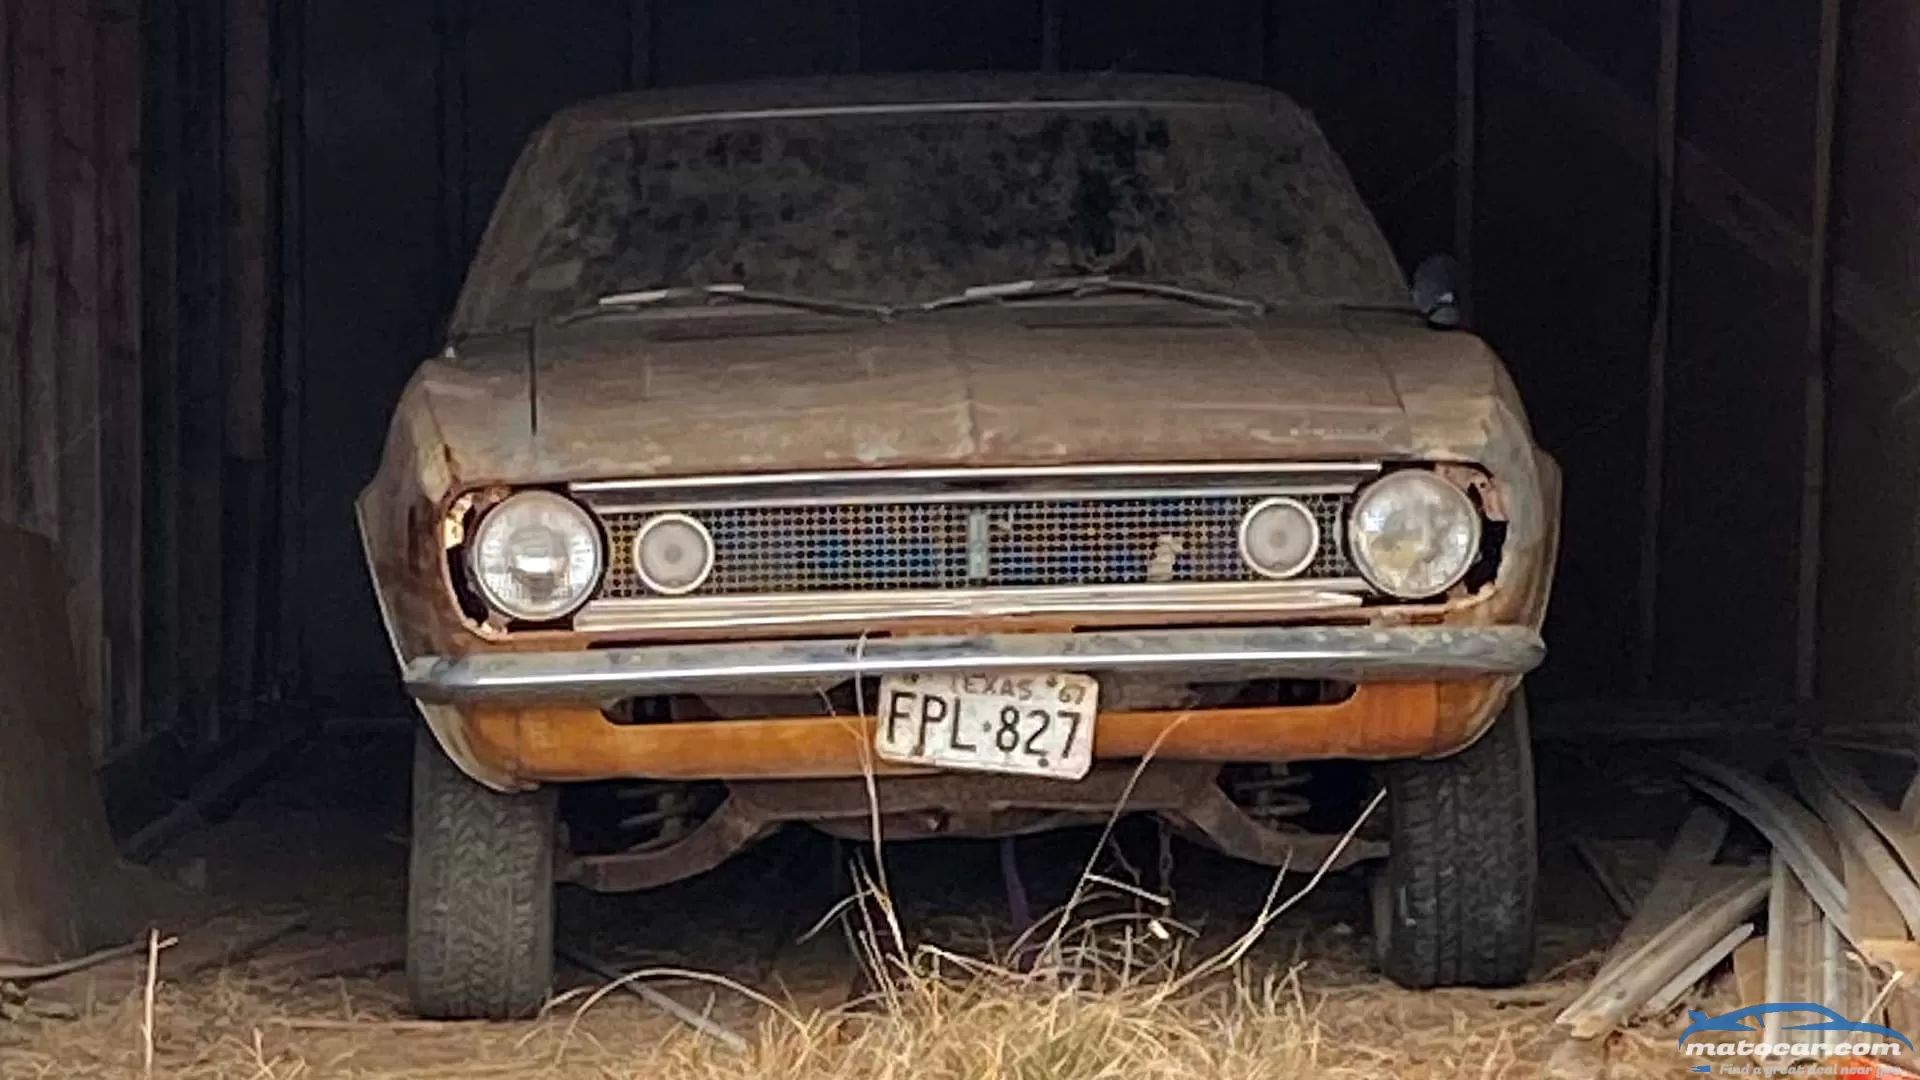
910	94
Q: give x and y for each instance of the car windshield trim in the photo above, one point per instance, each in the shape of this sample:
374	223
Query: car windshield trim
726	292
912	108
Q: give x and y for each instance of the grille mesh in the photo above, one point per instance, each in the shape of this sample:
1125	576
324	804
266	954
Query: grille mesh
924	545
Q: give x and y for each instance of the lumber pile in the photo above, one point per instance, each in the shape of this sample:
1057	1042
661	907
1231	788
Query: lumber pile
1830	915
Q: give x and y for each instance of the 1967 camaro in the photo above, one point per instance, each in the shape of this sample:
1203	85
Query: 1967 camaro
1036	446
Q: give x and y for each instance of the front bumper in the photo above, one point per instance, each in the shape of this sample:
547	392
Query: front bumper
1358	654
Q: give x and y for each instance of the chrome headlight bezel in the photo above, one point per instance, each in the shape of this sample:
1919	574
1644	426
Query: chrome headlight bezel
639	542
581	531
1314	538
1362	541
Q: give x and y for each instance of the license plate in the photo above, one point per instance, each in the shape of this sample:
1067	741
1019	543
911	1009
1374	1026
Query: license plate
1035	724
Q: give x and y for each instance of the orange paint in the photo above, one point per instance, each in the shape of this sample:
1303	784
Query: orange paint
576	742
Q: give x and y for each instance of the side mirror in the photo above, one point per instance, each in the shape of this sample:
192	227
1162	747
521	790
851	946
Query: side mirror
1438	287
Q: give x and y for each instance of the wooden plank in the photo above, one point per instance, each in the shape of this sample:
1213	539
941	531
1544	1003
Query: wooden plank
121	402
1796	834
1679	883
1859	842
351	957
290	491
1910	803
1893	826
1620	989
454	32
1676	988
1871	912
1466	135
1813	453
1659	342
35	260
77	226
12	450
248	157
1794	943
199	245
161	390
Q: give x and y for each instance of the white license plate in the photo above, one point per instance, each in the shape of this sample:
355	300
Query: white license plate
1033	724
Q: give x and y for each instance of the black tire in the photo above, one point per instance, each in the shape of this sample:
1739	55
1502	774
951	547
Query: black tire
1454	904
479	894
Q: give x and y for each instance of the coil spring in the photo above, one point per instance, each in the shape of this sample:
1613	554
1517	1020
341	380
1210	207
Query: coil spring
654	815
1270	794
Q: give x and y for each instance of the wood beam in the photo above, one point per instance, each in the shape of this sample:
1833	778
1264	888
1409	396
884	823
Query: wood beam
1666	140
1466	134
12	366
247	160
121	384
35	266
1818	356
76	448
163	162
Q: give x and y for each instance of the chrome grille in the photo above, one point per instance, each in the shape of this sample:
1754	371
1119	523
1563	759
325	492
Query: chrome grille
1019	543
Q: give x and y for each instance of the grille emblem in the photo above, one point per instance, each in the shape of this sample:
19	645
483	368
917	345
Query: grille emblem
979	532
1167	549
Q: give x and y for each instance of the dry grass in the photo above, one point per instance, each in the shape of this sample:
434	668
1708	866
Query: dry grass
943	1018
1112	989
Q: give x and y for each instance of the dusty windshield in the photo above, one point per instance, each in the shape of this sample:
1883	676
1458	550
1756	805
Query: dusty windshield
897	207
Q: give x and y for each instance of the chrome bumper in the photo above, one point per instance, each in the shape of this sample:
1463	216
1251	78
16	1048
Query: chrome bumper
1355	653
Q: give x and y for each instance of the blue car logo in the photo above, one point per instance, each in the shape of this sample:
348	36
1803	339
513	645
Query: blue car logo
1735	1021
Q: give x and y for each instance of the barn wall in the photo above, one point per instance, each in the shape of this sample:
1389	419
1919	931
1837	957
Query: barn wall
1765	586
133	339
1872	537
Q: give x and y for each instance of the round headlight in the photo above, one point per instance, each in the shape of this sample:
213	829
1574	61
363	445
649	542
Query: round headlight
673	554
1413	534
1279	538
536	556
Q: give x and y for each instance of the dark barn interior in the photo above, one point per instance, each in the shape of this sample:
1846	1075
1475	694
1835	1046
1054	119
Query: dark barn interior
229	231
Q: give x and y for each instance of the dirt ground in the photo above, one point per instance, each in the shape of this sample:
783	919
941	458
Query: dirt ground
307	883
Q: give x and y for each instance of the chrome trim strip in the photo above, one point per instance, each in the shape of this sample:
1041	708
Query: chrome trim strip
915	108
1358	653
1359	470
807	612
866	608
609	506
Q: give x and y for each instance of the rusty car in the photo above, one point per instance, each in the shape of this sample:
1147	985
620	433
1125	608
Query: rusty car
956	456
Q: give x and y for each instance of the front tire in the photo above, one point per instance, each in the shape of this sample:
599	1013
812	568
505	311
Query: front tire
479	894
1454	905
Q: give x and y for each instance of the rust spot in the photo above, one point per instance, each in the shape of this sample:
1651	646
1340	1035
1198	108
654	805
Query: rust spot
1472	479
577	742
453	525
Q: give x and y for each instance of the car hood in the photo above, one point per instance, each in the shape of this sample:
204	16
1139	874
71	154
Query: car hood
601	400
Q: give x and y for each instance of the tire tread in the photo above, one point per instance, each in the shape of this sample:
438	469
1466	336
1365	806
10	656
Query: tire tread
479	894
1463	863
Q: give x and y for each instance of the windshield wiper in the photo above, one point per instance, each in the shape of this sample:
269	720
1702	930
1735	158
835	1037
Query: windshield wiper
614	303
1092	285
